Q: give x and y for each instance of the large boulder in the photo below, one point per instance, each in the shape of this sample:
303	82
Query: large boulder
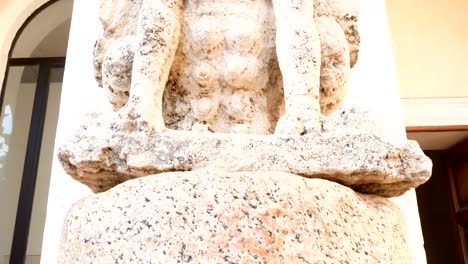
242	217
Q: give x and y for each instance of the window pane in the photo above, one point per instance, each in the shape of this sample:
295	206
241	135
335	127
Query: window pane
38	217
15	117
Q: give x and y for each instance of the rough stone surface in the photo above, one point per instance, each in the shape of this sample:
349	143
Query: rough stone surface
102	158
263	217
225	66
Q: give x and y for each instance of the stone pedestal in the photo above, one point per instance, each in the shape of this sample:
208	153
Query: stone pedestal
238	198
244	217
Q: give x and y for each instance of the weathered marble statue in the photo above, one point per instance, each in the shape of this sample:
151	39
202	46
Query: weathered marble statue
217	62
256	166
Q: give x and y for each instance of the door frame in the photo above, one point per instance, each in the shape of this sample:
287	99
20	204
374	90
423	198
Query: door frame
33	149
459	213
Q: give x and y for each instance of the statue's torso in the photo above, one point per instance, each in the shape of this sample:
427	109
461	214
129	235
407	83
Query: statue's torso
225	73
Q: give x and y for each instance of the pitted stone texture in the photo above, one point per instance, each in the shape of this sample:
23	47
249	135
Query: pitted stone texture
348	118
102	158
223	65
263	217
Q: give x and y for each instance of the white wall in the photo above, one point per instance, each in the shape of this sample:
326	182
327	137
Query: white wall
80	94
374	86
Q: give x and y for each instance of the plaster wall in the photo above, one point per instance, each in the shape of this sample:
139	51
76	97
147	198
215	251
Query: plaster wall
80	94
373	86
430	39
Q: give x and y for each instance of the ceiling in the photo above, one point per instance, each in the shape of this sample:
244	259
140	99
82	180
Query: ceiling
46	35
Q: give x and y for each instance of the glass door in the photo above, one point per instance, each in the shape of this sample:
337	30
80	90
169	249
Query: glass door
30	104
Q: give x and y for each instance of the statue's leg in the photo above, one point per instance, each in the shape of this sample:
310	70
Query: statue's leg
298	51
335	67
157	40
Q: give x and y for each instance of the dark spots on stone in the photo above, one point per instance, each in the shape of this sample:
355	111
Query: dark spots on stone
298	238
226	258
146	199
184	258
246	213
303	259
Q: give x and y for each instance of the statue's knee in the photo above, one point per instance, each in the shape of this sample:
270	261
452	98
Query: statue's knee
117	70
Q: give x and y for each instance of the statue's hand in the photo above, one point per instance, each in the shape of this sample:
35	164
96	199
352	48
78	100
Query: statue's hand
297	123
140	116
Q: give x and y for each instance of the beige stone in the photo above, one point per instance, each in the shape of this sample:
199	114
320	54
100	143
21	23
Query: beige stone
101	157
216	217
231	66
226	145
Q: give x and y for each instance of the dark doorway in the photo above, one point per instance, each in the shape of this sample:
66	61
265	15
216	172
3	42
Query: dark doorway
443	206
455	163
434	212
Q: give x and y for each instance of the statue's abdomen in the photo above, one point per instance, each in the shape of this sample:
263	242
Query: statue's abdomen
225	69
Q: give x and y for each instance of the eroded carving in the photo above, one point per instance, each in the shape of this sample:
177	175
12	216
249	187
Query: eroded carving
225	66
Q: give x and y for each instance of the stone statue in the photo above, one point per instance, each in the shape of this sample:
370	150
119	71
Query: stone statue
243	70
166	190
225	65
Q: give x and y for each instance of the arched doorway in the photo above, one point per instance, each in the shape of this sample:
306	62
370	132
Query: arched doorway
30	102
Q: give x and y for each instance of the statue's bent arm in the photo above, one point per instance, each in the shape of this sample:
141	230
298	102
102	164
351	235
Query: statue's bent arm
158	34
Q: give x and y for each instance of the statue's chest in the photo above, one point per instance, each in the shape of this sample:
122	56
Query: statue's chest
216	27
